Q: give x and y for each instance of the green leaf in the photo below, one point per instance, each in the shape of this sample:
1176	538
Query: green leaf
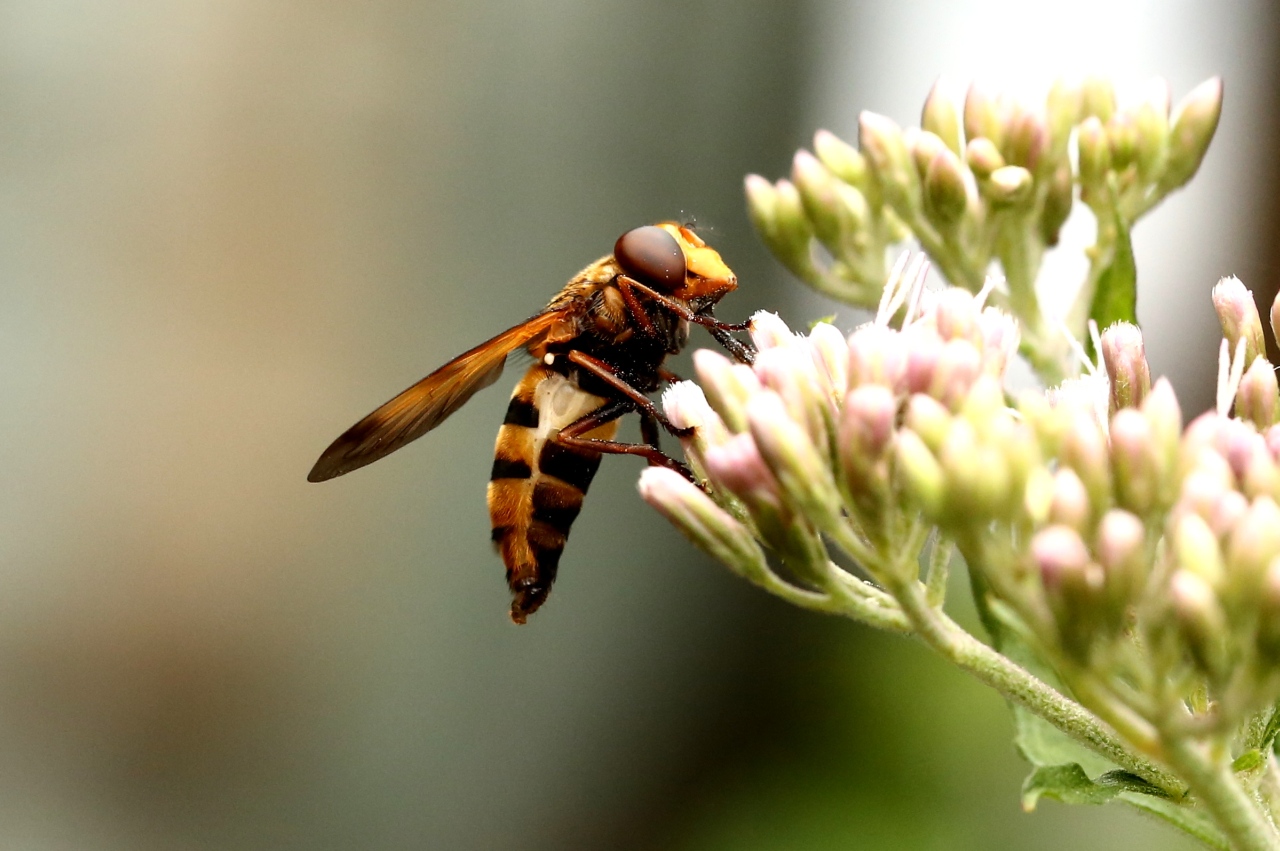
1116	297
1071	785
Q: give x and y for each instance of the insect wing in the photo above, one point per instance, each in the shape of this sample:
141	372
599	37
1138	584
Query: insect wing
428	403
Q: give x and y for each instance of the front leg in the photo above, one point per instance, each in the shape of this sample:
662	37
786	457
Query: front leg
720	330
571	437
641	402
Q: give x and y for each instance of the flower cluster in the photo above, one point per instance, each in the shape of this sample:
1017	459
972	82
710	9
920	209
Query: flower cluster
985	178
1138	560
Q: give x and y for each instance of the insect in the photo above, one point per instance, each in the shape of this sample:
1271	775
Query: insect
598	348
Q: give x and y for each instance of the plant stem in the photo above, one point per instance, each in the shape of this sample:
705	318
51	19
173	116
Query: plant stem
1214	785
1020	686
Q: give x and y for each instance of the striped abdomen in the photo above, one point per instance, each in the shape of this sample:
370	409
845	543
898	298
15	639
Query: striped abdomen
537	486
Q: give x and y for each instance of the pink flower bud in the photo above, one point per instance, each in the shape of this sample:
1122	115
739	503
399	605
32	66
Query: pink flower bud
1069	505
1126	360
878	355
709	526
1238	315
1258	399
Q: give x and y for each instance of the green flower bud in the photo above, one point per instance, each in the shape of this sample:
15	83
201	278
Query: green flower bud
983	157
1098	98
840	158
1084	449
978	480
1072	585
1062	110
1239	317
1125	357
1275	317
778	215
1122	553
940	116
1133	458
920	473
1094	152
727	386
797	464
889	160
1254	543
1026	141
1151	120
1269	615
983	115
1258	399
1196	548
1069	501
818	188
1057	203
1194	123
1200	620
946	195
930	419
1122	135
1010	186
710	527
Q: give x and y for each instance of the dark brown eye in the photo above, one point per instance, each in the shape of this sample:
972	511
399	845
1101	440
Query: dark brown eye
651	256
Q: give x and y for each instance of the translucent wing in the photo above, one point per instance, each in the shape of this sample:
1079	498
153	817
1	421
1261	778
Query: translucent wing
428	403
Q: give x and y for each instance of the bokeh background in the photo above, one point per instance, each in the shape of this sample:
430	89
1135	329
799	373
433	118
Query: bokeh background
228	229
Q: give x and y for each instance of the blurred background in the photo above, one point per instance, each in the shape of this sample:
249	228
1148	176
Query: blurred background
229	229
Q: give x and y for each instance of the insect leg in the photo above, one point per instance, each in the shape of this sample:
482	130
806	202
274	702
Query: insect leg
641	402
720	330
649	432
571	437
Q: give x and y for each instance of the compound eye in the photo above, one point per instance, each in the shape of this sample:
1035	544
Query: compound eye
652	256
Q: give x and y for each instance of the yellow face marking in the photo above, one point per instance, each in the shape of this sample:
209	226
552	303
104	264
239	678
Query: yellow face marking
706	274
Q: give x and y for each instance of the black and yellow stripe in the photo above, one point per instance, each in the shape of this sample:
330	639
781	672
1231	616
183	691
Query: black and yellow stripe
537	485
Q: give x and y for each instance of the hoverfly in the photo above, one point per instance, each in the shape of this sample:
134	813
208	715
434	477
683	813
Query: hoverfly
598	349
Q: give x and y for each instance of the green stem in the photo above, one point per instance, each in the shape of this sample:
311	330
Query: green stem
1020	686
1214	785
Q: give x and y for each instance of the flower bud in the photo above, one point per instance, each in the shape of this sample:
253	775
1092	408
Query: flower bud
1084	449
865	436
1258	399
1269	615
1201	621
840	158
831	355
1026	140
1062	110
928	418
1137	474
1125	357
709	526
791	373
983	158
978	480
1254	543
1194	124
768	331
1196	548
797	464
1238	315
946	195
727	386
778	215
959	365
889	160
1057	203
1094	152
955	314
878	355
1151	120
738	467
1000	338
940	115
1072	585
983	115
818	190
920	473
1122	553
1010	186
1098	98
1069	501
1275	317
1122	135
1162	412
686	407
